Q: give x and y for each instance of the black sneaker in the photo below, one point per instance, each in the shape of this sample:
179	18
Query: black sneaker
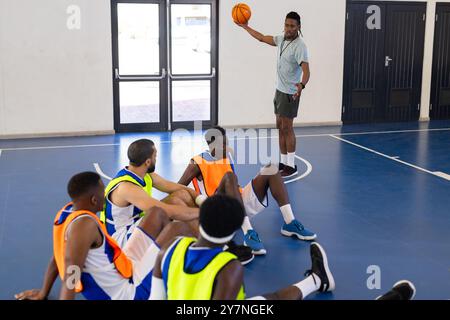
243	253
320	268
402	290
289	172
281	166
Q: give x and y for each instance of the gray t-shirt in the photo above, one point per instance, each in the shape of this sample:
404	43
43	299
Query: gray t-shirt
290	56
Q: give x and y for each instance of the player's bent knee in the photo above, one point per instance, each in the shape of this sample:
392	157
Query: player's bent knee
230	177
178	228
157	214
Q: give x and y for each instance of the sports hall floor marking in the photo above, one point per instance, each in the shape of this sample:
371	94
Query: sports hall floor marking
350	133
442	175
238	138
100	171
436	174
307	172
3	218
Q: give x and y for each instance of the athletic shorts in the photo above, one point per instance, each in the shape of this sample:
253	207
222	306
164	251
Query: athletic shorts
142	250
123	234
285	105
251	202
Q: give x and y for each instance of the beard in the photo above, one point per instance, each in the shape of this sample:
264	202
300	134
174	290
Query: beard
288	36
151	169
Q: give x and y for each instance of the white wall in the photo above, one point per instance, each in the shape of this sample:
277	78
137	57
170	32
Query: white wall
248	68
54	80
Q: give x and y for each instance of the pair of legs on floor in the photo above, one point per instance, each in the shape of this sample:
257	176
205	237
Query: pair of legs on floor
142	250
254	199
320	279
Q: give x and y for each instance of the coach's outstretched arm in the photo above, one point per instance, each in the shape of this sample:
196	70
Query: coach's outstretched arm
257	35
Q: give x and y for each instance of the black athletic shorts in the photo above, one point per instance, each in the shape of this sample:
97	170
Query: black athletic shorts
285	105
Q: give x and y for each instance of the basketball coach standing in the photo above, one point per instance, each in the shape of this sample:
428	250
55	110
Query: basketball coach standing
292	77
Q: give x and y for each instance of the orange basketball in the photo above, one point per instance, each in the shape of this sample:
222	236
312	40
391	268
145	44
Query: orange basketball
241	13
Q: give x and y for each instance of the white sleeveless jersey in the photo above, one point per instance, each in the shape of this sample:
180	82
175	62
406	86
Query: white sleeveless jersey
102	281
121	221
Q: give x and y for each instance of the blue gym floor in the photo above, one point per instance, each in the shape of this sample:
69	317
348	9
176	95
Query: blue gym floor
368	207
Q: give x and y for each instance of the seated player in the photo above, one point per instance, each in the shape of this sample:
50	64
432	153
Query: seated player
191	269
129	197
213	172
81	242
129	194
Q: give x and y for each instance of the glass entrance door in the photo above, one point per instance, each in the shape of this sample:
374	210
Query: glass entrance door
164	64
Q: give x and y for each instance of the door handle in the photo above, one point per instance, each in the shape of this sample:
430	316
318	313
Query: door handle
119	77
209	76
387	61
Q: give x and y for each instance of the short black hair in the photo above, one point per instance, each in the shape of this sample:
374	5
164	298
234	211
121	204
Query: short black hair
221	215
139	151
82	183
212	134
295	16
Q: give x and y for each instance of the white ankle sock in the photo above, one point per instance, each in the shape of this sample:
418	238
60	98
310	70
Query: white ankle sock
308	285
291	159
283	158
200	199
246	225
287	213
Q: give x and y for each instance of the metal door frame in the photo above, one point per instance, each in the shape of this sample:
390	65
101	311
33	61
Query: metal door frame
165	77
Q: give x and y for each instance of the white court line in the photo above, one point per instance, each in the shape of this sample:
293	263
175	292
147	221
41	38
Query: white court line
348	133
442	175
307	172
100	172
1	152
389	157
392	131
238	138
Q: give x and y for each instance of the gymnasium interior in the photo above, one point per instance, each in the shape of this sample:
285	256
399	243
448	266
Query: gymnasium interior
80	80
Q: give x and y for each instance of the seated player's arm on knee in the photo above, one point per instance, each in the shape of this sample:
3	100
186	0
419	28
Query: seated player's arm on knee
128	192
229	281
165	185
180	213
192	171
139	198
82	235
